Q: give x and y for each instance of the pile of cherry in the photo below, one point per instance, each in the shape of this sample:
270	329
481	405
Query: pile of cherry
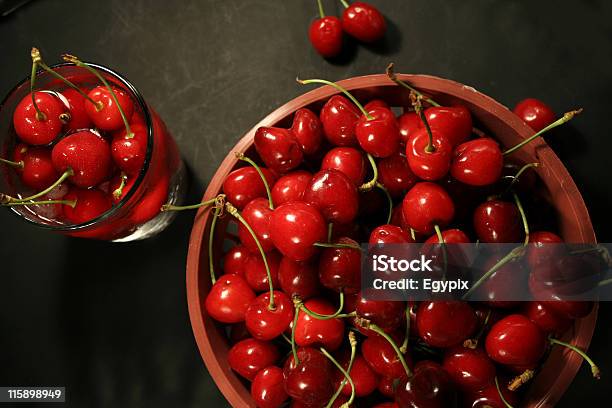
360	20
292	282
80	149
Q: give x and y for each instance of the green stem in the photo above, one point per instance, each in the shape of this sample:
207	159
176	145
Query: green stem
389	200
367	186
501	396
565	118
404	346
242	157
392	76
299	304
170	207
344	3
321	11
444	254
40	116
63	177
594	369
399	353
330	232
296	314
518	174
515	253
211	236
517	201
353	343
119	190
605	282
336	245
418	108
339	88
18	165
346	375
71	203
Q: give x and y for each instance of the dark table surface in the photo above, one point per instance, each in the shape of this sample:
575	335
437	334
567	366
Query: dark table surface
109	321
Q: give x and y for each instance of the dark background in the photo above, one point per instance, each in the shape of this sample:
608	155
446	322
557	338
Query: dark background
109	321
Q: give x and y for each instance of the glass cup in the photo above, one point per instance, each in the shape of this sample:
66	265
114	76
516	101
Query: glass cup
138	215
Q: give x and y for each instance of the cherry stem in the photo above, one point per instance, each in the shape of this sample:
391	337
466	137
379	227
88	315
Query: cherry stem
413	234
299	304
594	369
234	212
71	203
346	375
211	235
392	76
241	156
367	186
78	63
344	3
321	11
443	246
40	116
336	245
501	396
215	200
119	190
565	118
330	232
63	177
404	347
353	343
399	353
521	379
339	88
473	343
517	201
18	165
389	200
604	282
518	174
418	108
296	314
515	253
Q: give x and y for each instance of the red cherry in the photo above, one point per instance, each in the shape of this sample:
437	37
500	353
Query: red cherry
257	214
295	227
339	117
298	278
108	118
115	183
364	378
249	356
454	122
347	160
364	22
34	130
90	204
386	386
309	381
489	397
148	206
129	152
470	369
426	205
308	130
340	268
267	388
389	234
379	134
450	236
515	340
547	320
38	171
278	148
334	195
87	154
325	34
478	162
382	358
386	314
229	299
255	271
429	387
376	103
497	221
290	187
408	123
428	165
244	184
395	175
535	113
544	248
445	323
311	331
235	260
505	283
264	323
78	116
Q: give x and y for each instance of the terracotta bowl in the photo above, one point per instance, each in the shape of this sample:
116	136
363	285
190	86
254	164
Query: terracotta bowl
574	223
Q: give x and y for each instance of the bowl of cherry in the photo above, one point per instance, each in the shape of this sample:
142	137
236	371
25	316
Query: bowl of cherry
273	271
83	154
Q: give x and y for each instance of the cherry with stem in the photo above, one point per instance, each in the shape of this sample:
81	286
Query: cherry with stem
6	199
368	185
512	255
473	342
299	304
382	333
346	375
353	344
241	156
518	174
339	88
418	108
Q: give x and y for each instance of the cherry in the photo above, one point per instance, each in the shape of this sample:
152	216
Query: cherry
325	34
255	271
129	152
244	184
278	148
308	130
249	356
347	160
267	388
265	323
378	133
90	204
395	175
78	115
516	175
148	206
388	315
312	331
544	248
477	162
334	195
429	387
105	114
489	397
504	284
339	117
376	103
535	113
364	378
549	321
497	221
38	123
382	358
571	309
425	205
295	227
445	323
235	260
308	380
229	299
386	386
450	236
389	234
429	160
86	154
36	170
340	268
515	340
408	123
298	278
470	369
257	214
290	187
454	122
363	22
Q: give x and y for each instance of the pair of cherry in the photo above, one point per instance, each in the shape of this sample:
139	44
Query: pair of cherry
360	20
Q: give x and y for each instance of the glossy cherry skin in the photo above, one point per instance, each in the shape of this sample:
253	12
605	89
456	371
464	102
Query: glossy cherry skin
298	278
489	397
264	323
408	123
454	122
364	22
426	165
244	184
290	187
90	204
535	113
267	388
470	369
429	387
347	160
478	162
27	126
334	195
379	135
364	378
278	148
386	386
389	315
129	152
445	323
389	234
257	214
340	268
549	321
234	261
544	247
497	221
229	299
395	175
255	271
339	117
295	227
308	130
249	356
325	35
38	171
87	154
78	115
425	205
310	381
450	236
515	340
108	118
310	331
382	358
